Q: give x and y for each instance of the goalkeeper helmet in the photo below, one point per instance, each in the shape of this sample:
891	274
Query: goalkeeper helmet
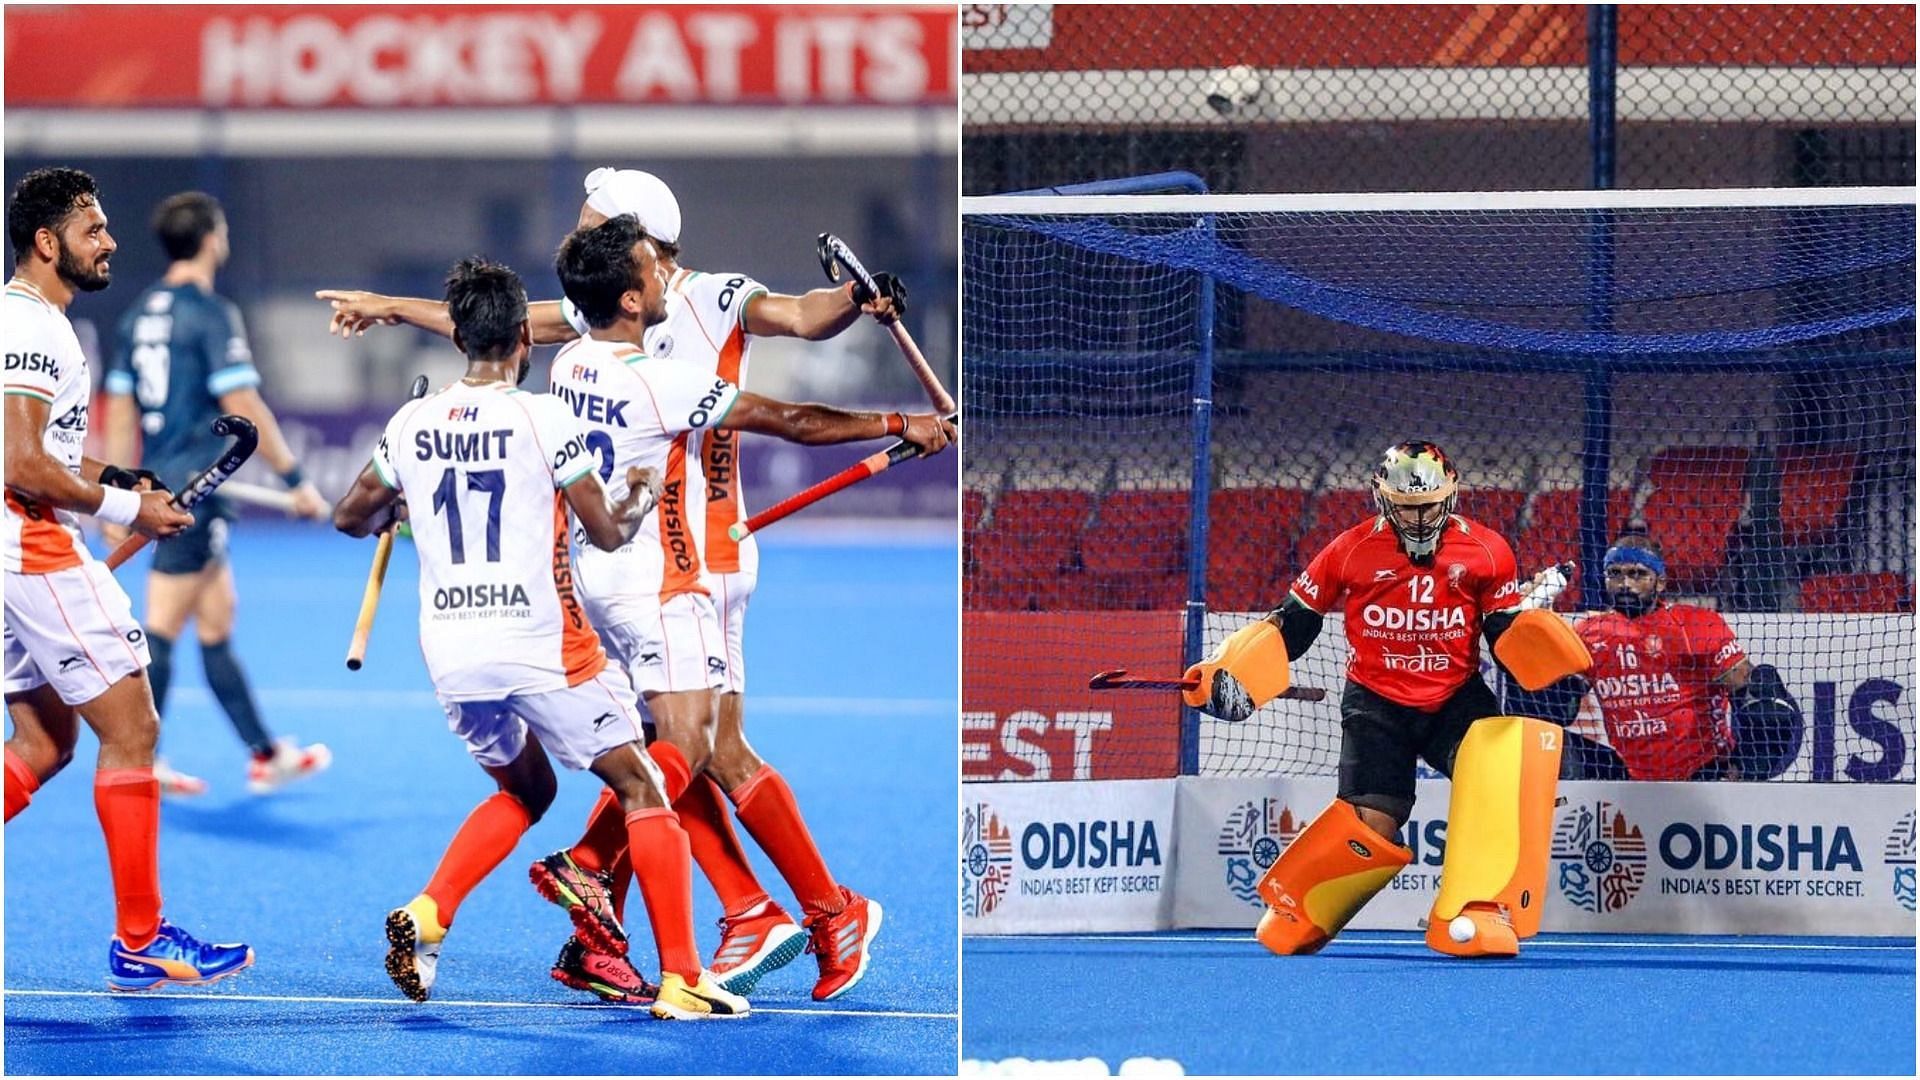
1415	487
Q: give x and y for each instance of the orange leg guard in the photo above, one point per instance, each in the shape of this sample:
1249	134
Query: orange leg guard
1505	777
1323	879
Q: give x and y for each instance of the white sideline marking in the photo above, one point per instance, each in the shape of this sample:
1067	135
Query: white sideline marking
332	698
216	995
1532	943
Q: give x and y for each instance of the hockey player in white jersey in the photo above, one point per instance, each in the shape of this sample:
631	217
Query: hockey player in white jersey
711	319
73	648
491	473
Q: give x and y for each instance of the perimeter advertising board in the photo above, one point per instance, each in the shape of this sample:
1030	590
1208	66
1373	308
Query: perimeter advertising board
1678	858
1066	857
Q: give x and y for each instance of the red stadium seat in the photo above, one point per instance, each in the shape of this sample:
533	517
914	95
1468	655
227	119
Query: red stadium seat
1022	561
1334	512
1554	534
1695	501
973	507
1250	545
1495	508
1135	552
1813	489
1856	593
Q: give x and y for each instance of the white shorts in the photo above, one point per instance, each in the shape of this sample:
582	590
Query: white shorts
666	648
576	724
730	595
73	628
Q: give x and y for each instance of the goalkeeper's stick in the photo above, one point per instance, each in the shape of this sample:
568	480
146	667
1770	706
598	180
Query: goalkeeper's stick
1118	679
835	254
377	575
871	465
245	439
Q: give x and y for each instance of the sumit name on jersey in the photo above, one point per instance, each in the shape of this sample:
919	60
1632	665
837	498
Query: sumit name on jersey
461	445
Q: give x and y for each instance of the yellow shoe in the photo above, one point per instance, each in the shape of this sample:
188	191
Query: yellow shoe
703	1000
414	935
1479	930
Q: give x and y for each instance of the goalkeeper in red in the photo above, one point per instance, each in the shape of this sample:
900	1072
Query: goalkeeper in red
1417	586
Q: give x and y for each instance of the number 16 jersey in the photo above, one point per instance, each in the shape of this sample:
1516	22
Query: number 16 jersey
482	468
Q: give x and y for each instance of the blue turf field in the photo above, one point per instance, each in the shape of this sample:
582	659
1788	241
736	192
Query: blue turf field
1381	1002
852	659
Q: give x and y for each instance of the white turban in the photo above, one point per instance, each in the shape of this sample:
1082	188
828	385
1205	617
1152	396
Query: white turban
629	191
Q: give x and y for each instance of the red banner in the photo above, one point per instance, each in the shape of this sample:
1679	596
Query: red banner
1142	37
499	56
1027	713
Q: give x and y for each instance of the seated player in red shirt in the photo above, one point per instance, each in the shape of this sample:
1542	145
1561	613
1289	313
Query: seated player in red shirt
1420	585
1678	695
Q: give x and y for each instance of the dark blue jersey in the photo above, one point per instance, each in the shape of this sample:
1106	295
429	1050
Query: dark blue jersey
180	349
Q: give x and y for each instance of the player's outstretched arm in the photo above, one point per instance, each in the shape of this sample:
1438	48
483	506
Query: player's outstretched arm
823	425
822	313
1298	624
246	402
38	478
609	524
370	506
355	311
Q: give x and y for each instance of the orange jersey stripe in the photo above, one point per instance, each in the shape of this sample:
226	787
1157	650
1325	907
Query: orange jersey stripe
720	461
45	546
679	555
580	651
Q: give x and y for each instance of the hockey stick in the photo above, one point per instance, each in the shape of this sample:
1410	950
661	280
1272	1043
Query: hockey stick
377	575
1118	679
245	439
835	254
872	465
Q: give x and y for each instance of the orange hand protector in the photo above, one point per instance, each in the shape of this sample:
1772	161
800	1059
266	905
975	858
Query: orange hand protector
1540	648
1255	654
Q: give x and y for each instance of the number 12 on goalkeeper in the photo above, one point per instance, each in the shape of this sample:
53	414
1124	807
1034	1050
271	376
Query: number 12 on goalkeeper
1418	586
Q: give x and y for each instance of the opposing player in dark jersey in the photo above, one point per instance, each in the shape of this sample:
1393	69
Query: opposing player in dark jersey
1678	695
183	360
1417	585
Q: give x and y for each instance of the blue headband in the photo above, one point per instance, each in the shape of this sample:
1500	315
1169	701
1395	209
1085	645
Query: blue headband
1638	556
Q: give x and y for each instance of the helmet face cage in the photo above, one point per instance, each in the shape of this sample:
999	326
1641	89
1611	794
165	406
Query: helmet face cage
1415	487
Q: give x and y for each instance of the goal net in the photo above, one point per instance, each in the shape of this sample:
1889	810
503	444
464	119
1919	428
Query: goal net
1174	402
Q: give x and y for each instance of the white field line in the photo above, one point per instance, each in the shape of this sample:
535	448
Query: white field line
218	996
1532	943
334	698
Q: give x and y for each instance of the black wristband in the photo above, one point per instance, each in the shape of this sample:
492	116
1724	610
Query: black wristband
115	476
293	477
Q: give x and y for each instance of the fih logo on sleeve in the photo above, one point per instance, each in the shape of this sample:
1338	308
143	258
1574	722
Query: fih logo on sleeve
1899	859
1251	840
1599	857
986	861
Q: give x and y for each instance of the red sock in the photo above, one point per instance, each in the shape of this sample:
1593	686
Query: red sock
767	808
603	847
605	836
21	784
622	874
128	802
484	841
674	768
716	847
662	866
